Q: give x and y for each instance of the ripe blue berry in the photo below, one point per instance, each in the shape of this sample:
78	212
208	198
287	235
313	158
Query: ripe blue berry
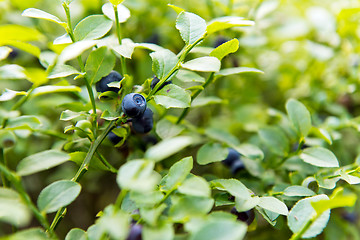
102	85
143	124
156	80
247	217
232	156
236	166
134	105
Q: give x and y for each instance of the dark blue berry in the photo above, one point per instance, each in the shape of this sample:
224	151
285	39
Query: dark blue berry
114	139
134	105
351	217
247	216
237	166
232	156
154	38
102	85
156	80
135	232
143	124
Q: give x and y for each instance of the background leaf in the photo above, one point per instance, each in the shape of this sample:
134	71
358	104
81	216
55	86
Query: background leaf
191	27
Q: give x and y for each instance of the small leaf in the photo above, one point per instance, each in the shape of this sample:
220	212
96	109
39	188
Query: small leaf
10	94
123	12
273	204
126	48
37	13
188	76
237	70
62	70
168	147
138	175
223	23
320	157
177	174
220	229
58	194
31	233
164	232
172	96
19	33
176	8
13	209
167	129
12	72
205	101
298	191
191	27
92	27
275	140
113	222
232	186
195	186
163	62
74	50
211	152
299	116
76	234
41	161
203	64
116	2
225	49
26	47
54	89
99	64
302	212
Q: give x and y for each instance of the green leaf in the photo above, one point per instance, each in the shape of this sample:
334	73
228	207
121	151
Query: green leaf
237	70
191	27
273	204
92	27
220	229
176	8
58	194
250	151
164	232
4	52
232	186
76	234
13	209
225	49
184	207
37	13
172	96
162	62
299	117
275	140
195	186
298	191
26	121
204	101
113	222
203	64
37	76
222	136
177	174
19	33
222	23
62	70
211	152
10	94
126	48
167	129
54	89
41	161
12	72
189	76
168	147
302	212
123	12
31	233
320	157
74	50
26	47
99	64
138	175
95	164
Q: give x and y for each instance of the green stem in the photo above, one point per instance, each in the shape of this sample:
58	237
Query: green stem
182	57
120	198
16	181
297	236
82	170
106	163
194	95
82	67
118	34
3	161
